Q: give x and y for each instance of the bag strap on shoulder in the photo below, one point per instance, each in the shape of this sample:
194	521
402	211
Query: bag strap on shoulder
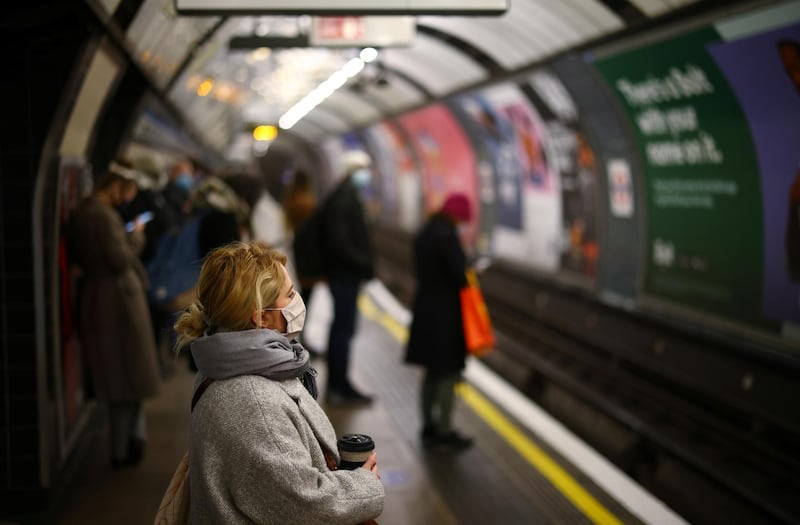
200	389
329	459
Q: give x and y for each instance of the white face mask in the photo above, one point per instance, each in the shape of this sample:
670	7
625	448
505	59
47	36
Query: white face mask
362	177
295	315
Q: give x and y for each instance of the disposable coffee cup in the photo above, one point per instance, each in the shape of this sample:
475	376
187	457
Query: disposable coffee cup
354	450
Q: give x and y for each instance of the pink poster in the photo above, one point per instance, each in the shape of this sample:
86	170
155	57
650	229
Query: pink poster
448	162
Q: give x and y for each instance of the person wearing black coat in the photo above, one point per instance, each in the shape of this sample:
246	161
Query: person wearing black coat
349	262
436	338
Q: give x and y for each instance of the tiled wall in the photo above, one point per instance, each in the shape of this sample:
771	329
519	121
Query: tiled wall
42	46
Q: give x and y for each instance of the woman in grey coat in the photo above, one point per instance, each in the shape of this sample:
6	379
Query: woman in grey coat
261	447
115	327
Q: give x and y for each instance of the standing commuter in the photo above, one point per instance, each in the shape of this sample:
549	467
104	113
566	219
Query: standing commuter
224	215
178	189
436	338
299	205
349	262
115	326
302	217
169	206
261	448
224	218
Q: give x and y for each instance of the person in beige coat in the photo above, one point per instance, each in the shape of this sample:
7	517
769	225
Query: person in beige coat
261	448
115	327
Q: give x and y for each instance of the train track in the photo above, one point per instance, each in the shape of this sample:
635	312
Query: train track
670	408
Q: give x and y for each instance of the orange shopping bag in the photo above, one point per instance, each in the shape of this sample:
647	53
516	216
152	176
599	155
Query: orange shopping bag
477	324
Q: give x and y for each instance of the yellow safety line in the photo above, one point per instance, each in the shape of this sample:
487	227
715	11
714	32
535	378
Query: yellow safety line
549	468
517	439
371	311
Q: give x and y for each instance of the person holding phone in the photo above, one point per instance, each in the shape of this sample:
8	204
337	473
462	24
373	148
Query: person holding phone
114	326
139	221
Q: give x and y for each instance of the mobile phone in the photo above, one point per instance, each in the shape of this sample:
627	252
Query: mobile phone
144	218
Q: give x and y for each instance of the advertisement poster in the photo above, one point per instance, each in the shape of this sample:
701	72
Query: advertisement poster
380	149
448	165
620	188
573	159
400	180
75	184
703	190
495	136
772	107
468	113
524	190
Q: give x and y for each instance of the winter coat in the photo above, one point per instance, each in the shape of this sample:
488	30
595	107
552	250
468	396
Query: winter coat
115	327
436	337
256	457
348	247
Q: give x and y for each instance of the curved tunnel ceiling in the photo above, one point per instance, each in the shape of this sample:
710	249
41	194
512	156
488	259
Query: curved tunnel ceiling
221	91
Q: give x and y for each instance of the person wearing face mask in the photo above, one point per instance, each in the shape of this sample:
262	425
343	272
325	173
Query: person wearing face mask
261	448
178	190
436	337
349	261
114	325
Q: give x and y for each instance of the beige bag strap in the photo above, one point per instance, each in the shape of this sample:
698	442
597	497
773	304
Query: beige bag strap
174	507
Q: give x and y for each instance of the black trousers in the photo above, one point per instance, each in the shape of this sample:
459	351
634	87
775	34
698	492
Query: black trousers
343	326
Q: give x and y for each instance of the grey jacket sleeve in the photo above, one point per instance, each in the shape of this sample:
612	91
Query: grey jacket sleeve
257	460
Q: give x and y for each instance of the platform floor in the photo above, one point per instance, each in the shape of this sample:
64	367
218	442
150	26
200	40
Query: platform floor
509	476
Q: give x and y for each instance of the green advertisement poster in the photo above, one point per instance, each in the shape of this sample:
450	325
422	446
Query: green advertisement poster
703	194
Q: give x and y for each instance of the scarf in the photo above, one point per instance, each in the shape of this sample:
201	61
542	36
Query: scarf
260	352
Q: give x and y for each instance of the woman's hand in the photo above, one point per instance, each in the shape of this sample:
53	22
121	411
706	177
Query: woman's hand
371	464
138	225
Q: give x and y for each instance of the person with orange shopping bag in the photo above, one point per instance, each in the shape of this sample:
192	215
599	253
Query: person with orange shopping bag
436	337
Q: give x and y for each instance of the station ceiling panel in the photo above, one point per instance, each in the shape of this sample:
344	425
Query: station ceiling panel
221	88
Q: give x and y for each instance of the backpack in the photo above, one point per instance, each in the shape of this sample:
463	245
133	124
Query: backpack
308	246
175	266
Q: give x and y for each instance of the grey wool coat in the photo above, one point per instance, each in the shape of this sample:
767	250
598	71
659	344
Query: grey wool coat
256	458
115	327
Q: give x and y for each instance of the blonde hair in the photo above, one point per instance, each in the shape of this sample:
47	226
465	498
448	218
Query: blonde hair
236	279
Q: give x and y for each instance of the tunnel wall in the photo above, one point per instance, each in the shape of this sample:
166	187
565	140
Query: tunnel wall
655	177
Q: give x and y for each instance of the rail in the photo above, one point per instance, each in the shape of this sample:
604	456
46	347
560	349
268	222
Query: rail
651	397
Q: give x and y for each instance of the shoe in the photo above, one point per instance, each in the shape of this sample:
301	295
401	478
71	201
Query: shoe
450	440
455	440
428	434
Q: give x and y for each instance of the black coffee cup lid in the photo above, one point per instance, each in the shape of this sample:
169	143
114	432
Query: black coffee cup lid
356	442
